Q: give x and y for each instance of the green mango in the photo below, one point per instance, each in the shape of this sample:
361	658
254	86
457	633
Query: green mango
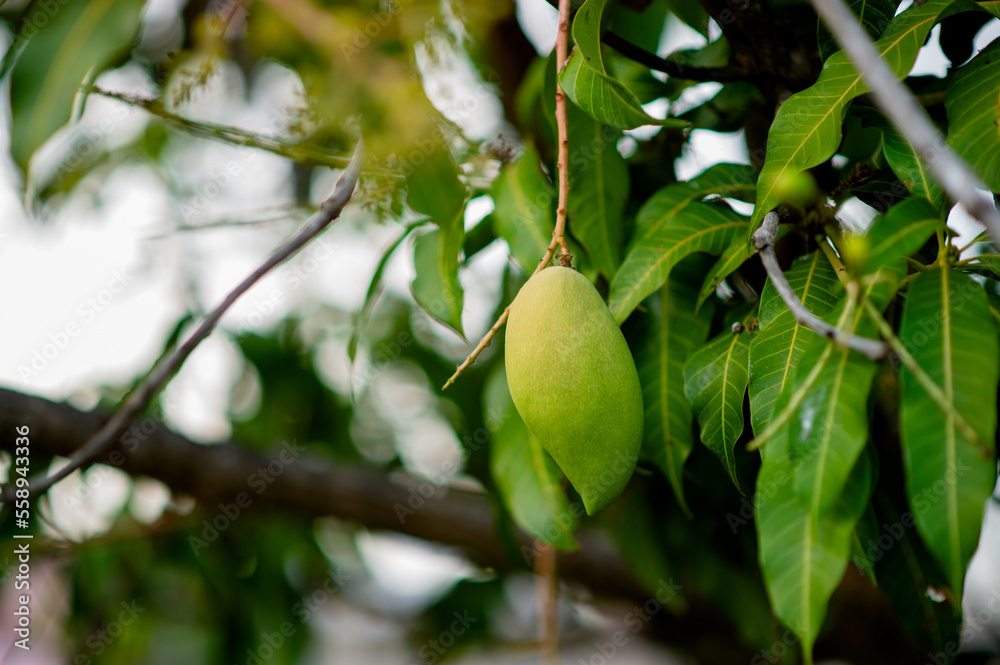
573	380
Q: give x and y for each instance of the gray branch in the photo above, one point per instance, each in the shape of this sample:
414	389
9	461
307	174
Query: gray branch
139	398
955	176
763	240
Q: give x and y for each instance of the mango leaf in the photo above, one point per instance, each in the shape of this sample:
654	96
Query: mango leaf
901	231
436	287
806	129
874	15
986	264
902	158
529	482
699	227
433	188
715	382
80	39
946	326
691	13
525	212
599	183
973	108
673	331
732	258
802	557
586	82
780	341
733	180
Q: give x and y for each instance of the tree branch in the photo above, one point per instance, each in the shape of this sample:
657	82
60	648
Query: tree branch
140	396
673	68
763	240
957	179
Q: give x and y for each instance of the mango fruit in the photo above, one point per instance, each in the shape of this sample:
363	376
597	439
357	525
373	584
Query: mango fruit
573	380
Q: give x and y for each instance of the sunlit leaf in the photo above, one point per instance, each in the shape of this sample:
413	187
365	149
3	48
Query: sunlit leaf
806	129
946	326
587	83
698	227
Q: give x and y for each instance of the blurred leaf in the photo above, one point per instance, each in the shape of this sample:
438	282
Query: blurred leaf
973	108
727	111
897	234
640	28
691	13
715	382
586	82
958	34
946	326
874	15
599	185
436	287
806	129
780	342
79	39
529	480
698	227
673	330
525	213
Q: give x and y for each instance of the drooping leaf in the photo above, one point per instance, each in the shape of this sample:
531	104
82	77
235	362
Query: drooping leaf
730	259
733	180
874	15
77	39
715	382
807	128
898	233
586	82
699	227
780	341
433	188
673	331
525	213
902	158
947	328
973	108
436	287
528	479
599	185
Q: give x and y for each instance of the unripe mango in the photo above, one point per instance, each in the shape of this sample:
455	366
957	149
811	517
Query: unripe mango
573	381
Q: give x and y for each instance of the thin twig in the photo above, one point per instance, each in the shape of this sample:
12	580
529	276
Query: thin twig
547	589
892	96
141	395
924	379
763	240
562	165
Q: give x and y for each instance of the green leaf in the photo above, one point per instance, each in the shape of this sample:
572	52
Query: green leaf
691	13
733	180
433	188
698	227
946	326
529	482
599	184
731	259
898	233
806	130
902	158
586	82
715	382
973	108
874	15
80	39
525	213
780	341
436	287
674	330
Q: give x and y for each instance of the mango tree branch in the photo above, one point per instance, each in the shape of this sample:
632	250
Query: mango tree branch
763	240
140	396
559	232
954	175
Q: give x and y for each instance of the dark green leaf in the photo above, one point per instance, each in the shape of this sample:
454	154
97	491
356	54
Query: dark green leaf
874	15
525	214
898	233
973	108
946	326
